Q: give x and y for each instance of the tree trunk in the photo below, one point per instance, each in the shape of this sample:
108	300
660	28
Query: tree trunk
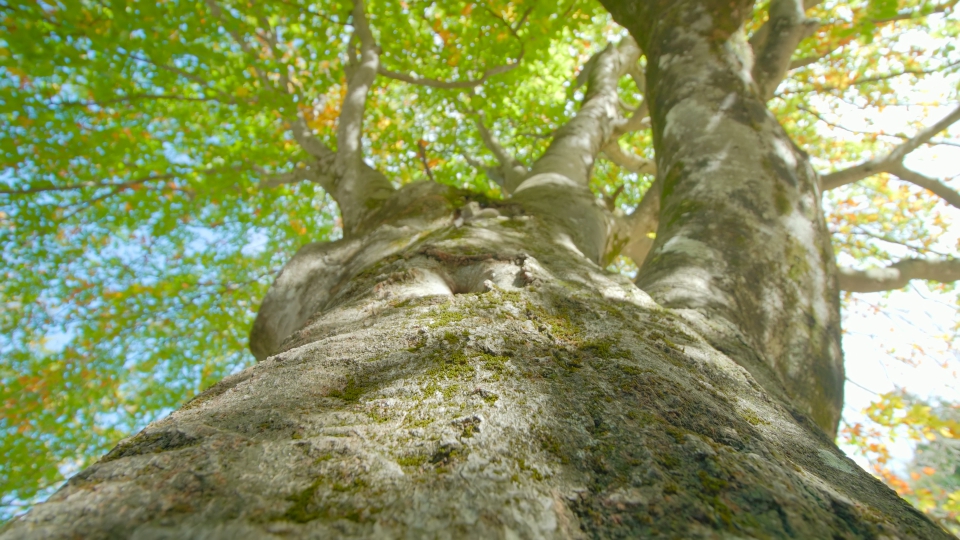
742	246
471	374
462	368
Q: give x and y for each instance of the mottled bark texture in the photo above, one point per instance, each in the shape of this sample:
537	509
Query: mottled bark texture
742	246
485	379
464	368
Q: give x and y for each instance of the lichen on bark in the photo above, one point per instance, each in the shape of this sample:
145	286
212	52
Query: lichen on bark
458	367
537	396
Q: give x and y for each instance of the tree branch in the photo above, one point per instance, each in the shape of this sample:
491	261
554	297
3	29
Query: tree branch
171	69
933	185
924	135
115	187
494	174
760	36
642	225
867	80
85	185
902	137
773	44
472	83
300	173
435	83
422	153
629	160
135	97
807	60
238	39
639	119
359	190
577	143
897	275
890	161
511	171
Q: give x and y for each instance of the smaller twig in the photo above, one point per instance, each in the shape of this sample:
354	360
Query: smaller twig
860	386
422	152
611	200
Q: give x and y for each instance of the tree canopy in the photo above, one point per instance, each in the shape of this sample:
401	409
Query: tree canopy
160	164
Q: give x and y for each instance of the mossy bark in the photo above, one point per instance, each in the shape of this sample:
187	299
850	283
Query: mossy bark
742	244
464	368
483	380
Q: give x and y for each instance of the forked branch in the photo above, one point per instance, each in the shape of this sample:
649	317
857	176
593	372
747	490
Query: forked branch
510	171
773	44
578	142
892	162
359	190
628	160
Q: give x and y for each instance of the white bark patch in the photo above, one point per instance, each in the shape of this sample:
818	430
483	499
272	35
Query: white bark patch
784	152
740	48
703	24
834	462
719	115
563	239
674	124
687	246
547	180
664	62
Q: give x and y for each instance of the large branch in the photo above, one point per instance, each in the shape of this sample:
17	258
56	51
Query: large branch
578	142
357	189
897	275
773	44
639	119
892	162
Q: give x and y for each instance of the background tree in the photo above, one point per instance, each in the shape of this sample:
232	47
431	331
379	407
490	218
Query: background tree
161	158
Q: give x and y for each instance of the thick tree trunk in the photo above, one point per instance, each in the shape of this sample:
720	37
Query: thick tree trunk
742	246
465	369
484	379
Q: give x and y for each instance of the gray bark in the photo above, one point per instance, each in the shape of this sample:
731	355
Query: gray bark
898	274
455	369
741	246
483	380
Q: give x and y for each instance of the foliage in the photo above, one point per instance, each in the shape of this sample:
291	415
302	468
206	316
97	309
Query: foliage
932	480
141	141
